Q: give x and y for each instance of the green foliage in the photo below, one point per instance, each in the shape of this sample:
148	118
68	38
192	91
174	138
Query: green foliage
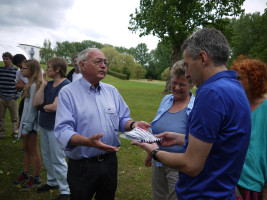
46	52
65	50
126	71
174	20
160	60
250	36
123	63
165	74
118	75
141	54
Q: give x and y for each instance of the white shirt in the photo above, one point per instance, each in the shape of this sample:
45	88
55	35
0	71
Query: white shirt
75	76
24	79
19	76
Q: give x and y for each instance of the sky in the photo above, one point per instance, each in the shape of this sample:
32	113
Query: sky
104	21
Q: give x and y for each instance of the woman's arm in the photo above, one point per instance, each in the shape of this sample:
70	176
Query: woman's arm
39	96
29	111
51	107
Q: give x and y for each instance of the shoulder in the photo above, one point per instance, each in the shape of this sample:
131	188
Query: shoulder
33	86
167	97
66	81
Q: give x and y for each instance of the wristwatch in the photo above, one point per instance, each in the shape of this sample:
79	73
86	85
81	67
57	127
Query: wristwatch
154	153
131	124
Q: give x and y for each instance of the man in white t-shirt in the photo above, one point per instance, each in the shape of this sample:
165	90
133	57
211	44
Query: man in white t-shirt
20	80
75	73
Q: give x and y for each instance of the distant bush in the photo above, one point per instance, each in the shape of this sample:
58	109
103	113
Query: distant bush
117	74
165	74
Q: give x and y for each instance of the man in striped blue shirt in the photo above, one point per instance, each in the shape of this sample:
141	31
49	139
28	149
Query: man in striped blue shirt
8	95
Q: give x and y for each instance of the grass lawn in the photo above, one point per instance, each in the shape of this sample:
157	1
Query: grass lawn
133	177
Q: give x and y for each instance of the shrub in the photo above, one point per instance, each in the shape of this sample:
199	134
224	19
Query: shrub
117	74
165	74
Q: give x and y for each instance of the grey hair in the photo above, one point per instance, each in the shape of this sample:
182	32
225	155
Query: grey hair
178	70
83	55
210	40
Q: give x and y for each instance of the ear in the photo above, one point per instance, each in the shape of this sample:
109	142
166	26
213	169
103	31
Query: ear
204	57
58	69
81	64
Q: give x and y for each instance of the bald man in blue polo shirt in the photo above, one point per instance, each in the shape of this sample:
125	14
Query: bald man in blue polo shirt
218	127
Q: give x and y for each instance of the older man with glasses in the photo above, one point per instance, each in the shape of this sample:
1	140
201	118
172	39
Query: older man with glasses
89	116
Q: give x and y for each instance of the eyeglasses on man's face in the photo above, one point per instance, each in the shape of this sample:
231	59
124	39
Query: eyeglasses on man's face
98	61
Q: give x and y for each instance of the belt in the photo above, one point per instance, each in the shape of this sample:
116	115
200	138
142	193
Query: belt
98	158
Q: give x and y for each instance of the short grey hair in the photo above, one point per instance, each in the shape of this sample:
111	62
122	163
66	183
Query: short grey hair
178	70
83	55
210	40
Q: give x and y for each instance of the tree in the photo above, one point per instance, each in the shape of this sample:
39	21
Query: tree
65	50
160	60
123	63
141	54
250	36
46	52
175	20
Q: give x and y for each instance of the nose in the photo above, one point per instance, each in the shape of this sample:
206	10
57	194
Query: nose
177	87
187	75
102	65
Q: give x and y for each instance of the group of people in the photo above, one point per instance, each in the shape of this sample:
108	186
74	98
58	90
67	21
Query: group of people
37	110
213	145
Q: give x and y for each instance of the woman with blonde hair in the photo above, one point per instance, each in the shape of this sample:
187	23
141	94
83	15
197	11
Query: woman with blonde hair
29	128
172	116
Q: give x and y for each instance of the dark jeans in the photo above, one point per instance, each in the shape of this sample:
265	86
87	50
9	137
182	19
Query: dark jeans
91	176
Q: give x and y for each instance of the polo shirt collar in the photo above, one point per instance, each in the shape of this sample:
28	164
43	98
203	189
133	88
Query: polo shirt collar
226	73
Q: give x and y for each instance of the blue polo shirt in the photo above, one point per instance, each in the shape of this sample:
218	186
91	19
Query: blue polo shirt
221	115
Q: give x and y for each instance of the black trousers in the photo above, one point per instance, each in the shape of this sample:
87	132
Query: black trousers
93	176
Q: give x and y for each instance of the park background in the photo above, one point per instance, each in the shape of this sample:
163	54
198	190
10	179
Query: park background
134	179
129	68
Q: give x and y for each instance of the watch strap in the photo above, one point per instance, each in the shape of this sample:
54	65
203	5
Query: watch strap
154	153
131	124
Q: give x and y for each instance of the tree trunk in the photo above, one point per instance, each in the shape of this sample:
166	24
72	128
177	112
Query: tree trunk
176	53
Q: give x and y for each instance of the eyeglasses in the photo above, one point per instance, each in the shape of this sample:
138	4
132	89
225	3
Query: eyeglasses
98	62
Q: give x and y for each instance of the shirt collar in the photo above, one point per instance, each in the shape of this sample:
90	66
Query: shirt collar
90	87
12	68
190	105
226	73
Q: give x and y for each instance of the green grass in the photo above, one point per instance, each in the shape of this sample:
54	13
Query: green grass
134	179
